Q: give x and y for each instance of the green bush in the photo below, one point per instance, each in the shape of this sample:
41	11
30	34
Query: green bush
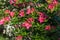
29	20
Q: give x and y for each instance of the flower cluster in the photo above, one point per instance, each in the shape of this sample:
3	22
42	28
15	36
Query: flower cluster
52	5
27	23
42	17
29	19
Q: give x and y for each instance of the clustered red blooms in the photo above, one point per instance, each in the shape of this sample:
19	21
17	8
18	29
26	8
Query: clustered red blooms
49	27
3	20
7	18
13	2
19	37
30	20
52	5
21	13
11	13
27	24
17	4
30	10
42	17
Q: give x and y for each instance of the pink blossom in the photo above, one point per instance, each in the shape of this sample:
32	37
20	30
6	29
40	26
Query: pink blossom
15	1
7	18
7	11
21	13
48	27
28	11
19	37
32	10
41	20
2	21
55	2
42	17
11	1
41	14
26	25
14	5
30	20
12	14
50	6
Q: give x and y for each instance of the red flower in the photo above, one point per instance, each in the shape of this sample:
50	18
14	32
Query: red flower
41	14
11	1
7	11
19	37
2	21
12	14
14	5
41	20
15	1
42	17
7	18
26	25
55	2
48	27
50	6
28	11
21	13
32	10
30	20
